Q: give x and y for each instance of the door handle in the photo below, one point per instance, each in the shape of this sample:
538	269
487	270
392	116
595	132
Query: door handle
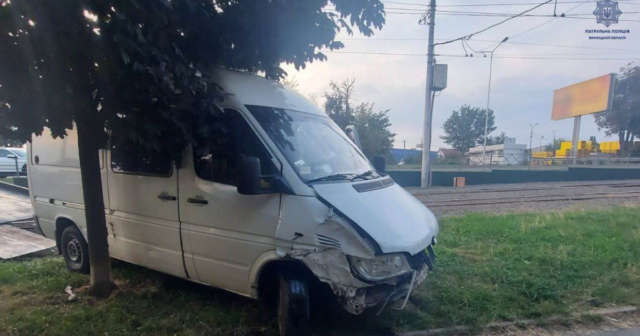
167	197
197	201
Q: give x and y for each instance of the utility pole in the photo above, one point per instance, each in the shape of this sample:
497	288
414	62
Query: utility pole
486	112
425	179
531	142
404	144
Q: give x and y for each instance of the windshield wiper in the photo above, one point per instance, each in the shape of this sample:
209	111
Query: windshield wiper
334	177
363	175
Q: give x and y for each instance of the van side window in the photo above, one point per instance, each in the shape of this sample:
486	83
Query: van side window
134	160
4	153
216	160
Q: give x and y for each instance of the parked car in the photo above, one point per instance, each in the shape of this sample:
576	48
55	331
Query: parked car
282	199
8	158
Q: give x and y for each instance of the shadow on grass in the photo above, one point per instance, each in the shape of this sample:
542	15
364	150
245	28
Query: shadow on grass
252	317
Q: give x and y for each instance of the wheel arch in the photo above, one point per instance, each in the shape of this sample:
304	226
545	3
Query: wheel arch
264	274
61	223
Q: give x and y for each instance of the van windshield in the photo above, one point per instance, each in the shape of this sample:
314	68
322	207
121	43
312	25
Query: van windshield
314	145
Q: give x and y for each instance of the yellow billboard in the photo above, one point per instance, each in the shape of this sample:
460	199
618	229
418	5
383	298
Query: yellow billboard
588	97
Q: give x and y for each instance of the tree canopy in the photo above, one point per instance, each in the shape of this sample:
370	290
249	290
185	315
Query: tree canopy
142	67
496	140
373	127
624	117
465	128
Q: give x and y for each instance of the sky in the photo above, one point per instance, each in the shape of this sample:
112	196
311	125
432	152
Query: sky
524	76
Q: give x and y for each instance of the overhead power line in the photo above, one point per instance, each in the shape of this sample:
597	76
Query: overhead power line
494	41
505	57
494	25
496	4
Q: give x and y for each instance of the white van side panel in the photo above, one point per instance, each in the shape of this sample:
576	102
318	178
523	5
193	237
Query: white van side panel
224	238
145	229
57	173
55	182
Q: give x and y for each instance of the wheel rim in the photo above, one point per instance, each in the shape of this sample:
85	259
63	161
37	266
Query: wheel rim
74	251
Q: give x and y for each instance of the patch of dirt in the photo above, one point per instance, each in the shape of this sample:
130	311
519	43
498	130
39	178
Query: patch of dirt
586	325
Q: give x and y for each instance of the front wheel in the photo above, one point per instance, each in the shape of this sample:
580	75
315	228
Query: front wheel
75	250
293	305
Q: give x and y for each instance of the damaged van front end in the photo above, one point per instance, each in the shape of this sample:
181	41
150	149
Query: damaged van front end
394	277
368	255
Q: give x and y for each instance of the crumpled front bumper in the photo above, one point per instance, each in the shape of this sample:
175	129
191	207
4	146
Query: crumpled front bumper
396	295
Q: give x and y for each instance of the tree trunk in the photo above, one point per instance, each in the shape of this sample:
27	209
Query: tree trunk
623	142
89	151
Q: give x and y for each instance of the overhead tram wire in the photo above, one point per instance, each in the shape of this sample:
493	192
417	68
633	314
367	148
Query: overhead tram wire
515	56
508	56
494	41
493	25
495	4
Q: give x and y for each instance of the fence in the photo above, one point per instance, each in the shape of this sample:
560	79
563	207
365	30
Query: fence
536	161
411	178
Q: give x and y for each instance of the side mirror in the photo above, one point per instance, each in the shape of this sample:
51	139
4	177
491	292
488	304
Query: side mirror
248	178
379	163
11	156
352	133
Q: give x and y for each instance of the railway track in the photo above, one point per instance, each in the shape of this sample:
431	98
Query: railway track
527	199
494	190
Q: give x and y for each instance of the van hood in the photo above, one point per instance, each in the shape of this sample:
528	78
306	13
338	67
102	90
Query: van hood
395	219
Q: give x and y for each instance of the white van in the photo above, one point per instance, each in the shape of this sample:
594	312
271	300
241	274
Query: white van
284	198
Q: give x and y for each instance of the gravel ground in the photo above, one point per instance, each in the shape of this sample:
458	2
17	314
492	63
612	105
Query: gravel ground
523	197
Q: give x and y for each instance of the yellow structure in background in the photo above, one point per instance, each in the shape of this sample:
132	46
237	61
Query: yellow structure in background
543	155
584	148
588	97
610	147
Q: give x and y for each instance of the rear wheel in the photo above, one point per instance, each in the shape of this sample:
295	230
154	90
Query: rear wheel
293	305
75	250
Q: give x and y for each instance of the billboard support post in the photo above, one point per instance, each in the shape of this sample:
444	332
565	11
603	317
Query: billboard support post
575	139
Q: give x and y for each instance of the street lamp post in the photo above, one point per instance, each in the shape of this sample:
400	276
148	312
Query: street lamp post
486	112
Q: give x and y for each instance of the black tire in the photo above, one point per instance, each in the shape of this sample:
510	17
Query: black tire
293	305
75	250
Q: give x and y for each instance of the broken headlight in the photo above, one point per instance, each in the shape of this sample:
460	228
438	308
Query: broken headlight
380	268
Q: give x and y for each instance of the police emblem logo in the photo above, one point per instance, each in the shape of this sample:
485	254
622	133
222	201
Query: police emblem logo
607	12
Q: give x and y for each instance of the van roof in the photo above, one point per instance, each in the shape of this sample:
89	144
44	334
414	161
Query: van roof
252	89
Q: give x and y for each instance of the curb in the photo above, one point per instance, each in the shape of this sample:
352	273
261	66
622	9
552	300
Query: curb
525	322
14	188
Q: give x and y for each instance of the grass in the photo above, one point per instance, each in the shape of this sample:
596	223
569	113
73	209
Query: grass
529	265
489	268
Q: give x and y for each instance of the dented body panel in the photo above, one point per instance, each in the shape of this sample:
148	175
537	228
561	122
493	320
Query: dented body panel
395	219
